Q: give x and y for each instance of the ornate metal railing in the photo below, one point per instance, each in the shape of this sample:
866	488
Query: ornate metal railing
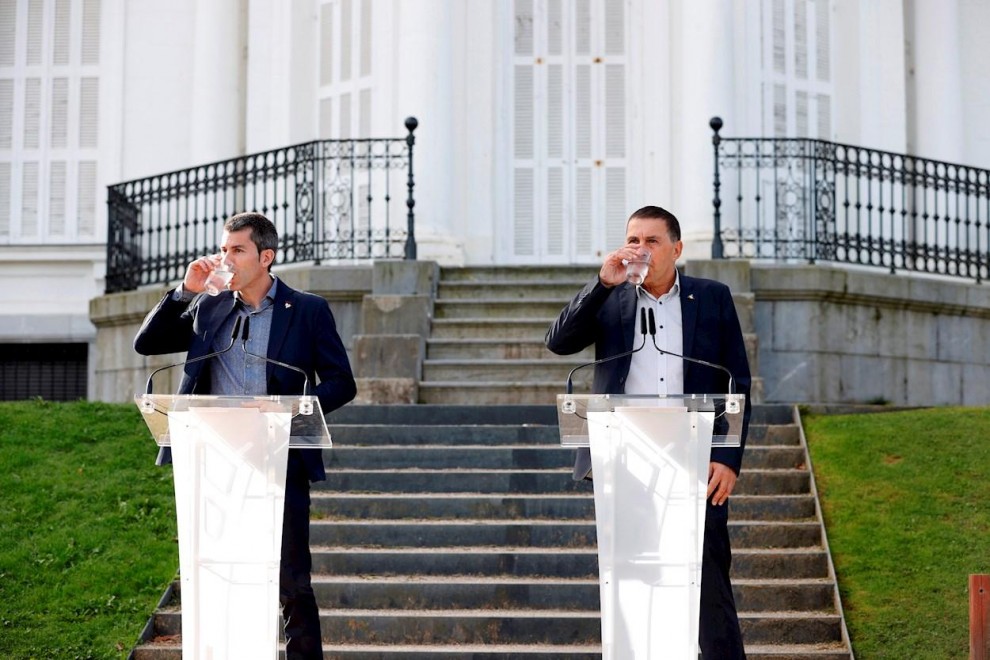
330	200
802	199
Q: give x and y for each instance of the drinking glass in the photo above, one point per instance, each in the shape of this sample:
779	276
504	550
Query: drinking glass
637	268
219	278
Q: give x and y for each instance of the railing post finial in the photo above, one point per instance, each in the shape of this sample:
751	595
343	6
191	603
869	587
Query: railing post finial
717	249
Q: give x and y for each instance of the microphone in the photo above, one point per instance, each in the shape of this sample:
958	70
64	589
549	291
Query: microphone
304	402
233	338
653	334
642	331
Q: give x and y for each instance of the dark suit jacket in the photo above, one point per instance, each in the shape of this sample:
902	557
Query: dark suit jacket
607	318
303	334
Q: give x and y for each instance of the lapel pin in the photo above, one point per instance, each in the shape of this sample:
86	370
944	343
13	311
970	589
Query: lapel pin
288	305
690	296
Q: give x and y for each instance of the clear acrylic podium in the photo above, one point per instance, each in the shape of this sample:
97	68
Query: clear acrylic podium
229	456
649	458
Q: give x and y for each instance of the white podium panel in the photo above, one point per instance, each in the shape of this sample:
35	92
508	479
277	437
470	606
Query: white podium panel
649	460
229	458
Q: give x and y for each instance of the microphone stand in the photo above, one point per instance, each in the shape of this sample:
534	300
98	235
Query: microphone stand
233	338
642	329
305	401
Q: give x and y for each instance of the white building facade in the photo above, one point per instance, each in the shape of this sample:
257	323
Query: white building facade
542	123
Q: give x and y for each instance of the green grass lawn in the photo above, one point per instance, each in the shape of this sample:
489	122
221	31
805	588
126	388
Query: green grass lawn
906	498
87	527
87	530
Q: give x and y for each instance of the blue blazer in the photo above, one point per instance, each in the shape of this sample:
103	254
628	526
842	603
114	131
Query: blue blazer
303	334
607	318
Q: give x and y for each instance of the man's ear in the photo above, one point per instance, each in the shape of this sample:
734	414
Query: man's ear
678	248
267	257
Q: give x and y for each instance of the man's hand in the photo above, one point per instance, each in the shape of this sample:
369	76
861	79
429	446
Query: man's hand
721	481
198	272
613	272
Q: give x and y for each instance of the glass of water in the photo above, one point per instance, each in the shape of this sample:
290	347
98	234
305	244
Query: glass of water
637	268
219	278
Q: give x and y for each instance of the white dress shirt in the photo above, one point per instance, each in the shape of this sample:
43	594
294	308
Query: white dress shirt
649	371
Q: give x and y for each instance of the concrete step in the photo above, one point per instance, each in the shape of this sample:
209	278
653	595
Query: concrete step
517	290
457	592
498	308
527	457
520	561
773	507
497	392
827	651
552	368
776	434
447	533
172	650
391	435
772	482
532	329
791	627
444	415
775	534
415	480
496	349
810	595
776	563
503	506
770	457
507	274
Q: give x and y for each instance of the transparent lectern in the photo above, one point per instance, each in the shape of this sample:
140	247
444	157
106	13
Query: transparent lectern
229	456
649	458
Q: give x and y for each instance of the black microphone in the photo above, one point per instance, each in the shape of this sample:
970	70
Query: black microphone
244	338
642	331
233	338
653	334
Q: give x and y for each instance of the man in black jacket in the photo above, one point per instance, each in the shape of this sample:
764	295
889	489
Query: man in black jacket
290	326
695	318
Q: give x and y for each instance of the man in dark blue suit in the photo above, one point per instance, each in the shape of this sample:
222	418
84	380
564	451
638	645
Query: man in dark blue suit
695	318
290	326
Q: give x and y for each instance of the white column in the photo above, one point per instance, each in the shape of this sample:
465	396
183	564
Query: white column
936	128
424	78
703	86
217	102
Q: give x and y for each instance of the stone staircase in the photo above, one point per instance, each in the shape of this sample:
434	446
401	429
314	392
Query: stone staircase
486	342
455	532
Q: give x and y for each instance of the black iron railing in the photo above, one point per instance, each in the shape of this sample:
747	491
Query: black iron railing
802	199
330	200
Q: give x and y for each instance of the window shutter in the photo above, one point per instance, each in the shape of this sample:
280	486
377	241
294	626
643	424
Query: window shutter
326	119
823	43
86	201
8	31
522	187
61	33
89	100
569	127
364	113
5	187
56	198
6	113
801	39
32	113
345	116
801	113
59	113
29	199
345	67
35	29
90	43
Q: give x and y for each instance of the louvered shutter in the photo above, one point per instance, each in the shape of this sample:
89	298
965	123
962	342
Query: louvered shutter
797	36
569	129
49	119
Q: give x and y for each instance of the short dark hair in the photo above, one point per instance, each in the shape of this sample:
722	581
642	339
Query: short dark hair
657	213
263	232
